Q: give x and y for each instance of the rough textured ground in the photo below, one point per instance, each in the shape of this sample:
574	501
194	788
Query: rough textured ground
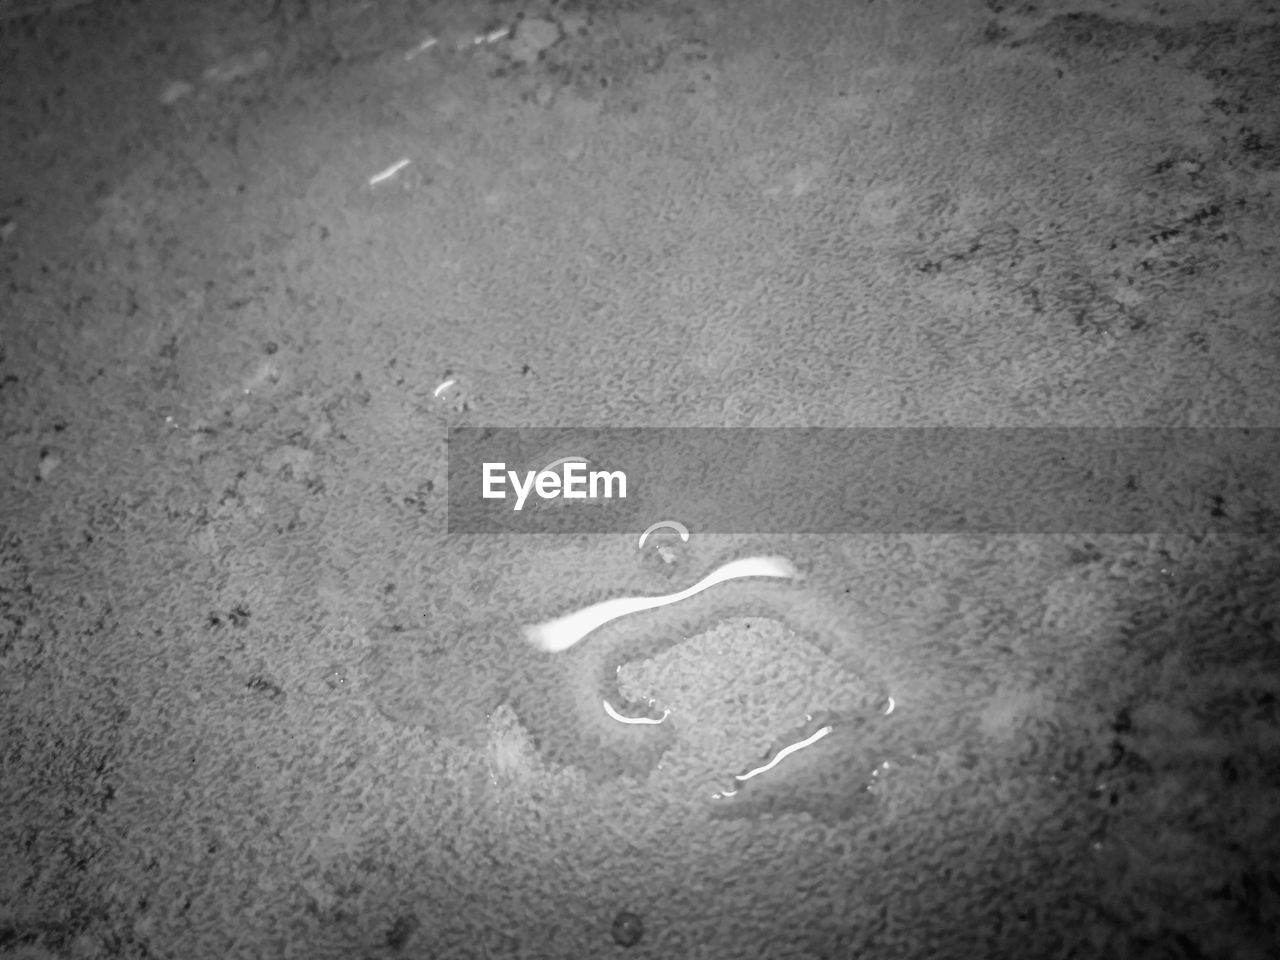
222	507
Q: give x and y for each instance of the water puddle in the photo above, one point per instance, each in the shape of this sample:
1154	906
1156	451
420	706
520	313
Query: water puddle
447	680
617	735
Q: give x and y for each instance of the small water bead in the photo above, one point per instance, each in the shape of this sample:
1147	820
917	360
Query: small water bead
627	929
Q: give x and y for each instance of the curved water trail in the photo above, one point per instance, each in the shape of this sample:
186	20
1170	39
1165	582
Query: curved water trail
827	767
558	635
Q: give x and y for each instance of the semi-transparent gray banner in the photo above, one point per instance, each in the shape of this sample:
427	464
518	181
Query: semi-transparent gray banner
890	480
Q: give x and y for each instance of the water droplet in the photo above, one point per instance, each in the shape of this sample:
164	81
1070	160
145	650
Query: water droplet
627	929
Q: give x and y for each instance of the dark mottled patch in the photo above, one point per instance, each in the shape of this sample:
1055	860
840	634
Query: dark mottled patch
269	688
402	931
